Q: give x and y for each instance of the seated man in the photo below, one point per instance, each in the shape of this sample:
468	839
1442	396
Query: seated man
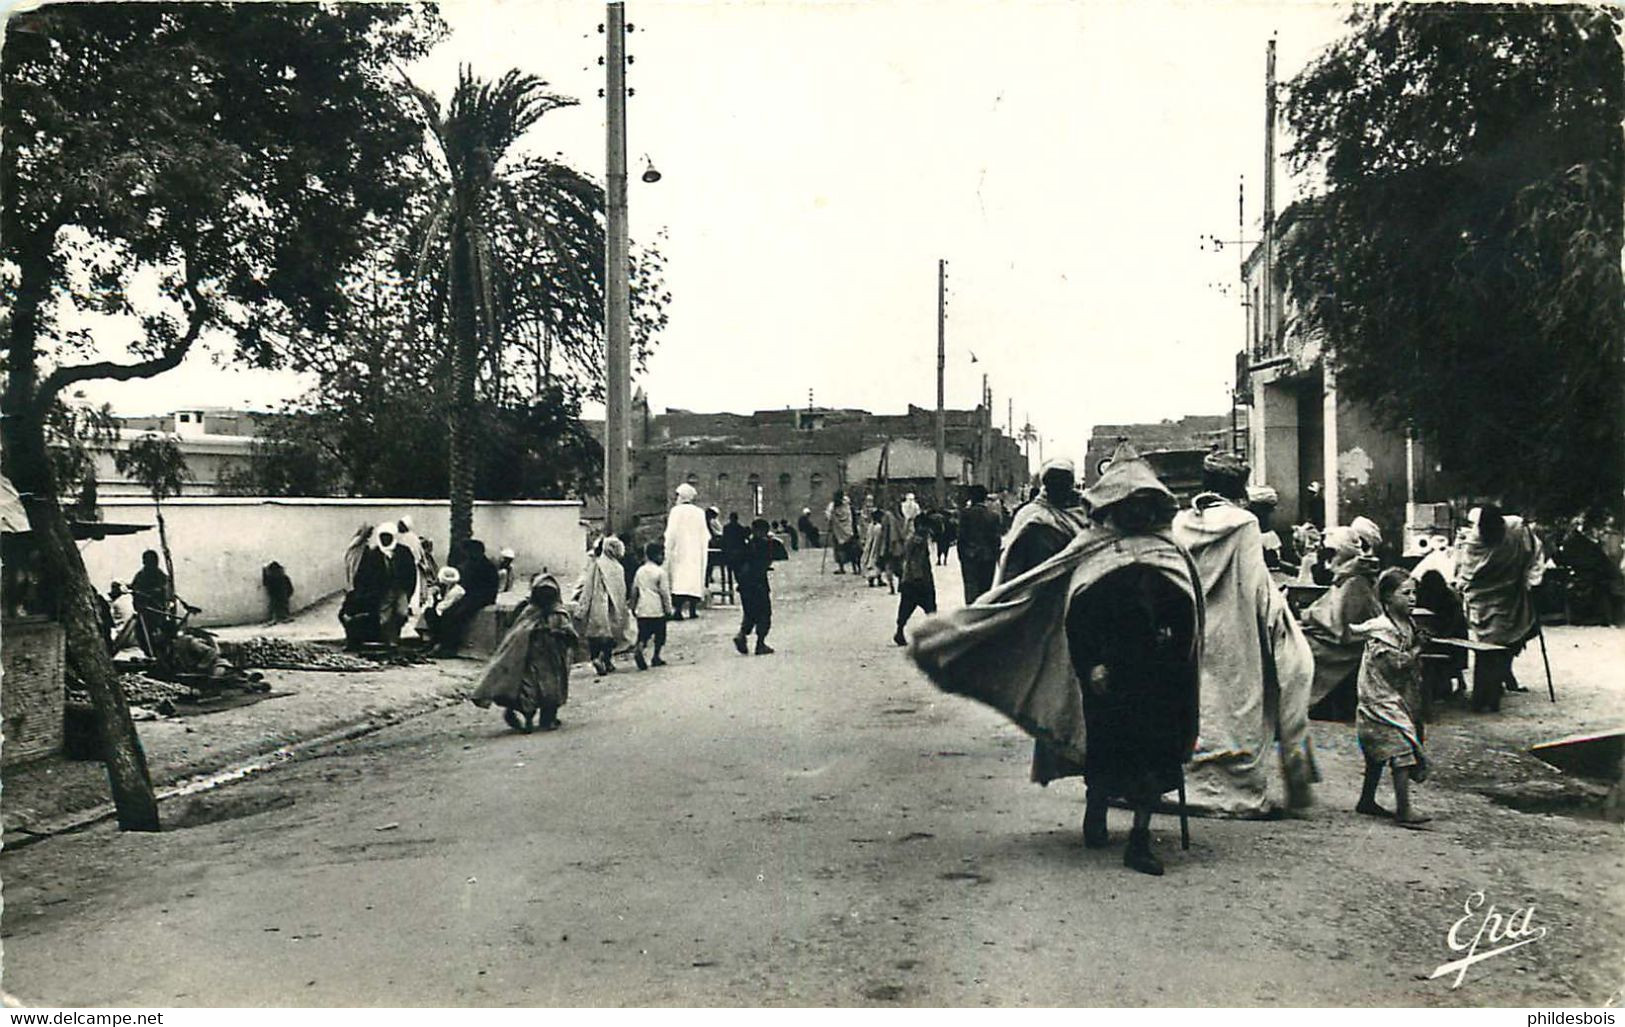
478	576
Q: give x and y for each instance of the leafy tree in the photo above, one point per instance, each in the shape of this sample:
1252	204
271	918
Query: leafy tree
510	246
1464	260
233	154
156	461
75	431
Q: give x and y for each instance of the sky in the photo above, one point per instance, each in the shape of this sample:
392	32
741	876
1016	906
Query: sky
818	159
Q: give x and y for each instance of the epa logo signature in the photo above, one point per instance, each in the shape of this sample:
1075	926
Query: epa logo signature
1502	932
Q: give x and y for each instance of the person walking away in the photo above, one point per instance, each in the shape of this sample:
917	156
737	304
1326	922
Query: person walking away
893	541
1096	653
601	613
918	590
842	532
809	530
1388	719
279	590
1044	526
529	674
687	544
947	533
1279	553
150	590
1499	561
734	538
1257	669
755	597
979	533
651	604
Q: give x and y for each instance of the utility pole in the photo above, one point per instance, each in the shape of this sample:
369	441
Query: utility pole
617	287
1010	417
987	434
942	359
1267	296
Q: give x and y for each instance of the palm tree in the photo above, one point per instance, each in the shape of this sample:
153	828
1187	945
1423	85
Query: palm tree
505	242
157	462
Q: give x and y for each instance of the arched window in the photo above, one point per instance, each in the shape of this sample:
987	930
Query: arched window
784	480
693	479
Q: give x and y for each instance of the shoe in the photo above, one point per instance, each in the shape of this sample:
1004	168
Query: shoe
657	662
1138	855
512	720
739	643
609	668
637	658
898	638
1371	809
763	649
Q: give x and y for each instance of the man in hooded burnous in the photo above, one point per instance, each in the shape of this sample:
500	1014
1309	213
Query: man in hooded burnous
1257	670
1095	652
1499	561
688	541
1044	526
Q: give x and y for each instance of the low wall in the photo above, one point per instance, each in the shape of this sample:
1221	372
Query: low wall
222	544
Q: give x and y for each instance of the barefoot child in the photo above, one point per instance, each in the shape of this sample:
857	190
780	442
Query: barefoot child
651	603
1389	686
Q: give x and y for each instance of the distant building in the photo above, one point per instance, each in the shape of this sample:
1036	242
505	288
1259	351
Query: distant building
214	440
775	463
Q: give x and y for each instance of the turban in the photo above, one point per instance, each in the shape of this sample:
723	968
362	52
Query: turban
1060	463
1262	495
450	576
378	538
614	548
506	554
1367	529
686	493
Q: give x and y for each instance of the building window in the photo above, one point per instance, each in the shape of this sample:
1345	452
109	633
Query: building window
186	418
784	480
692	479
722	479
756	504
817	481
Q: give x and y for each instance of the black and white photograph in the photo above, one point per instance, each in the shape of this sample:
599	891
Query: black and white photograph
799	504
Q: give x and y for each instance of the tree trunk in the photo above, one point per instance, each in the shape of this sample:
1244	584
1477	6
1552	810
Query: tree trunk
464	367
29	468
169	561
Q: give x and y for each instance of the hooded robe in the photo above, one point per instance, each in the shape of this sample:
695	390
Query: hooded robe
1257	670
1010	648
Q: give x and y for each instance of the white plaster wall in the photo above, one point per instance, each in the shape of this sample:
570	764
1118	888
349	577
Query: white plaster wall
221	544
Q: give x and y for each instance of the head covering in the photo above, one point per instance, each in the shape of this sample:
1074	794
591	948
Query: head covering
406	522
1128	475
614	548
378	537
506	554
1059	463
686	493
1367	529
545	580
1262	495
908	498
449	576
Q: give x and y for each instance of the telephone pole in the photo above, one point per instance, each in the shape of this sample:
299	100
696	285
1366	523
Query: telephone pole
617	287
987	434
1267	297
942	359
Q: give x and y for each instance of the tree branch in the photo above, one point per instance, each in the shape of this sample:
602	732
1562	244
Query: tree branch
168	360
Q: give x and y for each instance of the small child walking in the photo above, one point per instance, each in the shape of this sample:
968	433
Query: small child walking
651	604
1387	720
918	590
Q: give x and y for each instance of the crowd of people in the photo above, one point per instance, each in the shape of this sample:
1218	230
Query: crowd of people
1150	648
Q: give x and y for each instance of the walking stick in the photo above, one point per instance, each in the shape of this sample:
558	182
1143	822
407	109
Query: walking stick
1184	819
1545	662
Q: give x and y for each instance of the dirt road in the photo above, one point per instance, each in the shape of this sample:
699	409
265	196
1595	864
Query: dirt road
816	827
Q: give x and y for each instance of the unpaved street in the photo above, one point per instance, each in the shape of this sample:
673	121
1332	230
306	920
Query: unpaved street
816	827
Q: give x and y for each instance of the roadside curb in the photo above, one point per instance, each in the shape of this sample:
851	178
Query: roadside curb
242	769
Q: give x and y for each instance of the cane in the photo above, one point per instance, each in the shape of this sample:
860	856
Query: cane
1547	663
1184	819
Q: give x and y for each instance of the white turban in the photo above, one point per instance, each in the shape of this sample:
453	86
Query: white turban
450	576
686	493
1368	530
1262	495
378	534
1059	463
